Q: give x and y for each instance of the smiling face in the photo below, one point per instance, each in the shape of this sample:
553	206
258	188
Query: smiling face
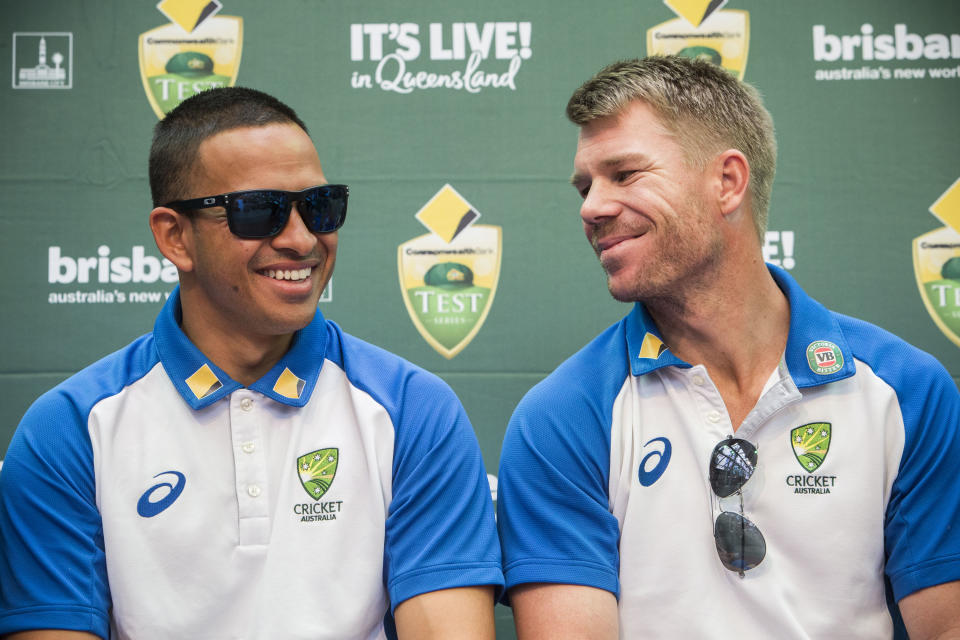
254	288
647	211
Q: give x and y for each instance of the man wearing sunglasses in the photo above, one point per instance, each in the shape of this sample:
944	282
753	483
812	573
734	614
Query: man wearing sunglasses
730	460
246	470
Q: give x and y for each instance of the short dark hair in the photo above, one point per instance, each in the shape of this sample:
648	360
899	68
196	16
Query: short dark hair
704	106
177	138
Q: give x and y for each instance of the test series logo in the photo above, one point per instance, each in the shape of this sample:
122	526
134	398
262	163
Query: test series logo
702	30
936	264
198	50
448	277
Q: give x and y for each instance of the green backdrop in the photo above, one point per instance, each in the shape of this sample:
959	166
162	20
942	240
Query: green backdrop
864	95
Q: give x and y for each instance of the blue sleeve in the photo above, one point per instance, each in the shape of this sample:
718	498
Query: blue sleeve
922	526
440	528
441	531
52	565
552	495
53	572
921	532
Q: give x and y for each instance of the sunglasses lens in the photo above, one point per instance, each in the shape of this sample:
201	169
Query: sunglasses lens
325	208
740	544
731	465
258	214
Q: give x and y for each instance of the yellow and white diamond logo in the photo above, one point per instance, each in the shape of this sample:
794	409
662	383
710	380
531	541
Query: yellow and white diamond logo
694	11
447	214
189	13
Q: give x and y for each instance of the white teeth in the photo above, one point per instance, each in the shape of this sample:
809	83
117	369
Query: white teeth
288	274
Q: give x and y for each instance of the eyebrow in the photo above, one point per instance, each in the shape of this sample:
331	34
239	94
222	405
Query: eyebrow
613	162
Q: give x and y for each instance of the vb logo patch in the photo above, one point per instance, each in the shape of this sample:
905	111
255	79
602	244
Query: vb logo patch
936	265
317	470
448	277
811	442
198	50
702	30
824	357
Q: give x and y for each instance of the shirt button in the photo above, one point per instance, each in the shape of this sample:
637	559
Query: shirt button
246	404
248	447
253	490
714	416
698	380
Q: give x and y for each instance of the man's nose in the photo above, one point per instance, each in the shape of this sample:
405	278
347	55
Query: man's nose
598	204
295	234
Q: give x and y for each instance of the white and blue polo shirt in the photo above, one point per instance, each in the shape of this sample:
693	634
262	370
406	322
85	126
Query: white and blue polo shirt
152	496
604	482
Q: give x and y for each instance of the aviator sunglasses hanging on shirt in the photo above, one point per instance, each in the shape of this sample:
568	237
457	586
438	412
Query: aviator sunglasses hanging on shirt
739	542
262	213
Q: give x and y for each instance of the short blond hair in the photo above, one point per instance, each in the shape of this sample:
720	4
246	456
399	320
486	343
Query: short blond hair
705	107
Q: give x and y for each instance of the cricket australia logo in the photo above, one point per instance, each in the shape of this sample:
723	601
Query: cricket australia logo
810	444
449	276
316	471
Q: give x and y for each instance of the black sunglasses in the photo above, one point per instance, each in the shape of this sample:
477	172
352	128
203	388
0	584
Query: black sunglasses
740	544
262	213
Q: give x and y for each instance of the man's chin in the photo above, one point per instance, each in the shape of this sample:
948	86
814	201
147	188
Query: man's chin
294	318
621	292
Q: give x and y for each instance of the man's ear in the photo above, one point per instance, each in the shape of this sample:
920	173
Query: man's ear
734	171
172	231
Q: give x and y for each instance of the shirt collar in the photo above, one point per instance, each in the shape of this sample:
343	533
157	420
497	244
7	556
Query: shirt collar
647	351
817	351
201	383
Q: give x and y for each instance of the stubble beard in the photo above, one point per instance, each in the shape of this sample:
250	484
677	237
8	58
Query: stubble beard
680	271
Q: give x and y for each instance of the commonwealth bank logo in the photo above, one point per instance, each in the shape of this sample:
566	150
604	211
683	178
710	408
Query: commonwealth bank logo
702	30
652	347
936	265
316	471
198	50
448	277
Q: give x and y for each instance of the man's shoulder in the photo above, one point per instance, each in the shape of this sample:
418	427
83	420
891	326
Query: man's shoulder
59	416
365	358
377	371
592	376
892	358
105	377
926	393
902	366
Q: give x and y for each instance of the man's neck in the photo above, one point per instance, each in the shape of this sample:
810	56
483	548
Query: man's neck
737	328
243	357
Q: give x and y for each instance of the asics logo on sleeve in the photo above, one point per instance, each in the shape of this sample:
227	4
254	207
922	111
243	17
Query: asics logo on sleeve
147	507
654	463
